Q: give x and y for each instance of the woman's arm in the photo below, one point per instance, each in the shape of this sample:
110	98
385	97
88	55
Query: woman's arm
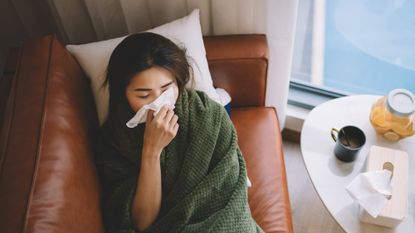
147	198
159	132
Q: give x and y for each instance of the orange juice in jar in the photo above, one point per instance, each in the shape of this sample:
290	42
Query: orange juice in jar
393	116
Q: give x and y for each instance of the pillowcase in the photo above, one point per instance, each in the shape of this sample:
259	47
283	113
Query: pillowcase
185	32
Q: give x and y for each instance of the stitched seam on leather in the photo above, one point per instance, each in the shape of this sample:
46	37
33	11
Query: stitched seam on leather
266	82
287	208
286	193
10	121
41	131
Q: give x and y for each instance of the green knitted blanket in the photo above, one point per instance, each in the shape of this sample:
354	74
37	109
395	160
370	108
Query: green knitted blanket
203	171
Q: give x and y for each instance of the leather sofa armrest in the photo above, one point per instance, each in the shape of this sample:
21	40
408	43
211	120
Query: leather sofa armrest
48	181
260	141
238	64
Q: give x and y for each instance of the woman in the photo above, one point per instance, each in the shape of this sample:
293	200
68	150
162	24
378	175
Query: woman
181	170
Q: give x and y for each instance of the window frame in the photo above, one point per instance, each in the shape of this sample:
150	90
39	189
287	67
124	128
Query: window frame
308	96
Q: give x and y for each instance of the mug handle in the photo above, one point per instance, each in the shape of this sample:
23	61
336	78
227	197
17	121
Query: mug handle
332	134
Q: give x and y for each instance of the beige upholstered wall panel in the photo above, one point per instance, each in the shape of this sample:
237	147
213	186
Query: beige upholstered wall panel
112	18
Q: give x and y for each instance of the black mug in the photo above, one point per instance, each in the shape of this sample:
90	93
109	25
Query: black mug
349	141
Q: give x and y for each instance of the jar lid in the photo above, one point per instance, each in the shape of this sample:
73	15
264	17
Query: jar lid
401	102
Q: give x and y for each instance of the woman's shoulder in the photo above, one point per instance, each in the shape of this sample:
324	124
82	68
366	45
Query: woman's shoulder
202	100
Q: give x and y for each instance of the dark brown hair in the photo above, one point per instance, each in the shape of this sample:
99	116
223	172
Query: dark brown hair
142	51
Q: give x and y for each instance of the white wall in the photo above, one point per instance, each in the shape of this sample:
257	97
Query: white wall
281	22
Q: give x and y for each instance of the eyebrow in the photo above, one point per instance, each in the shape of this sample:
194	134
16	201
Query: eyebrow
149	89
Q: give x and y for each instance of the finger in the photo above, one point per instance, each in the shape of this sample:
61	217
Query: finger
169	115
162	113
173	120
149	115
176	128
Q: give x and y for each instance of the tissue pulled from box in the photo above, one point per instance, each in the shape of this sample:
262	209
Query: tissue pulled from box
166	98
371	190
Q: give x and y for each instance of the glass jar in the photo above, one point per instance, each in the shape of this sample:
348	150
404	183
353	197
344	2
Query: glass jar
393	115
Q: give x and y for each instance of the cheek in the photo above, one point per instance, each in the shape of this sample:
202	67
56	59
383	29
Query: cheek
176	92
135	103
136	106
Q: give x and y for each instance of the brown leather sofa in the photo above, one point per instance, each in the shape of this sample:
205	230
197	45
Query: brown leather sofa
48	181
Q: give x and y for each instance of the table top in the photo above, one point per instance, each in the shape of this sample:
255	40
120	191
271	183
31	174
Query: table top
330	176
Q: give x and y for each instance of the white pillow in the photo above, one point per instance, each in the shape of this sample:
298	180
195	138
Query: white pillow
185	32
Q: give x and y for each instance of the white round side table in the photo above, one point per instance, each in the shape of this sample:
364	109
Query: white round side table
330	176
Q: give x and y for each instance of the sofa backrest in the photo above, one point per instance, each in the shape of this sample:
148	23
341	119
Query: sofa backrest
239	63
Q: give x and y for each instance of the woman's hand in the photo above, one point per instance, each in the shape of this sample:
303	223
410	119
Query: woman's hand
158	133
160	130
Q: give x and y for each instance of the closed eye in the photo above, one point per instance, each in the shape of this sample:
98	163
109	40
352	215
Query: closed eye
167	85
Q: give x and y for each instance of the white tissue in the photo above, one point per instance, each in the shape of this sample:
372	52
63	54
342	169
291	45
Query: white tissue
248	182
371	190
166	98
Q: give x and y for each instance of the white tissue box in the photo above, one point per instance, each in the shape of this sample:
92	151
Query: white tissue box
397	206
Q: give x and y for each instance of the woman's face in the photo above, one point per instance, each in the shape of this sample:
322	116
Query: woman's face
148	85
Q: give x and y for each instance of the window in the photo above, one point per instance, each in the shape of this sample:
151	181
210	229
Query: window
353	47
